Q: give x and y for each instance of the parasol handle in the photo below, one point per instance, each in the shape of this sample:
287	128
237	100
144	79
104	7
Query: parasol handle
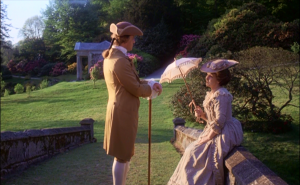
187	87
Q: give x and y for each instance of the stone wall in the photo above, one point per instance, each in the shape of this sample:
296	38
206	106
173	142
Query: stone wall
241	166
21	149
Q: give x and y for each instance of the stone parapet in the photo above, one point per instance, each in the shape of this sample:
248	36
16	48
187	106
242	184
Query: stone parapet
21	149
241	167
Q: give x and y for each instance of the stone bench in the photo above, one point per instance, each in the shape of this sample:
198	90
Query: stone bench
241	167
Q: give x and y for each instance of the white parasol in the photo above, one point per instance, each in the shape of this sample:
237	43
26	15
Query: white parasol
179	69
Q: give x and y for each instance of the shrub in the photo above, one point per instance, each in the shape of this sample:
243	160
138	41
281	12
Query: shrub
157	41
6	92
200	48
186	39
6	74
295	47
58	69
246	27
94	71
72	68
181	99
28	90
147	65
260	69
46	69
10	86
19	88
2	84
33	67
20	66
214	50
12	66
44	84
183	44
99	69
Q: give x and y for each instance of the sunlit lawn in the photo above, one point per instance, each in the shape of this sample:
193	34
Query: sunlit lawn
66	103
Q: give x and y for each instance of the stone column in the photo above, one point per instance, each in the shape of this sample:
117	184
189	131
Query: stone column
89	62
79	68
88	122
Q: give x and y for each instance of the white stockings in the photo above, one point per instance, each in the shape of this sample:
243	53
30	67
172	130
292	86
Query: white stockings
119	171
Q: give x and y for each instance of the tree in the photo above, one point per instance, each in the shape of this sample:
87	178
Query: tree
4	30
148	13
29	49
244	27
67	23
116	10
160	22
7	53
33	28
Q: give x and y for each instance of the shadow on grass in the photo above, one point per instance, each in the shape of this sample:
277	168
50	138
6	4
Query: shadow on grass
32	99
157	135
47	124
87	164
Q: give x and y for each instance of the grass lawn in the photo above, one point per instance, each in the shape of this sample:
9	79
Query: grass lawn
66	103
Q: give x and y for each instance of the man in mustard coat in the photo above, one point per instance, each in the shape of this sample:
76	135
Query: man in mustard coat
124	89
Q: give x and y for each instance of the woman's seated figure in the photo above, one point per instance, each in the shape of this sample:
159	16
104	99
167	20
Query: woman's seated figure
203	160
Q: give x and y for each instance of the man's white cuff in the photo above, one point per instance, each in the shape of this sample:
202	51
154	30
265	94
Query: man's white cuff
154	93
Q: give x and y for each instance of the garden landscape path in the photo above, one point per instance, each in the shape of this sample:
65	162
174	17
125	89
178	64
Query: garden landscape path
156	74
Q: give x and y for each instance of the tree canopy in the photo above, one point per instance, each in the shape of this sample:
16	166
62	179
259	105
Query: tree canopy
4	30
67	23
33	28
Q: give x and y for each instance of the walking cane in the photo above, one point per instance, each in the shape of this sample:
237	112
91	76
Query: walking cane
149	141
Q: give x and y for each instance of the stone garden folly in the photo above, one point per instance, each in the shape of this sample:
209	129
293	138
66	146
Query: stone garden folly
91	50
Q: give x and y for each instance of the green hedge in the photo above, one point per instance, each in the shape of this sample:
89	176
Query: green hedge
243	28
149	64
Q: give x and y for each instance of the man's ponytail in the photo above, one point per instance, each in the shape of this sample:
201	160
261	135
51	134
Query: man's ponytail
106	52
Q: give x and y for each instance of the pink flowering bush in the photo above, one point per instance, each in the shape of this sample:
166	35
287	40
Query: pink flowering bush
144	63
186	39
33	67
20	66
99	68
12	66
58	69
135	56
184	42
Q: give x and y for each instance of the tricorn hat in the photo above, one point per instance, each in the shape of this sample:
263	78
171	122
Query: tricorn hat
217	65
125	28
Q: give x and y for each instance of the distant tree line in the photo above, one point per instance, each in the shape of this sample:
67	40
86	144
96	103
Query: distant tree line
65	22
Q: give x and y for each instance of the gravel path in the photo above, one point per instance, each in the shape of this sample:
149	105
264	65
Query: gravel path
156	74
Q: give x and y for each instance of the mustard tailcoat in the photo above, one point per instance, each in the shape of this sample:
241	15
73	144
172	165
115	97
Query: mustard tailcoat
124	89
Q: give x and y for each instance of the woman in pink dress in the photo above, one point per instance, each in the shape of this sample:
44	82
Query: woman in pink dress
202	161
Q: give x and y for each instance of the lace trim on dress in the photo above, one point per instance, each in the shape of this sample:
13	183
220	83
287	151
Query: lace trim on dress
209	96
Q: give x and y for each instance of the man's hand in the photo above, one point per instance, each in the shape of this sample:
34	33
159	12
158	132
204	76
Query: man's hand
158	88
